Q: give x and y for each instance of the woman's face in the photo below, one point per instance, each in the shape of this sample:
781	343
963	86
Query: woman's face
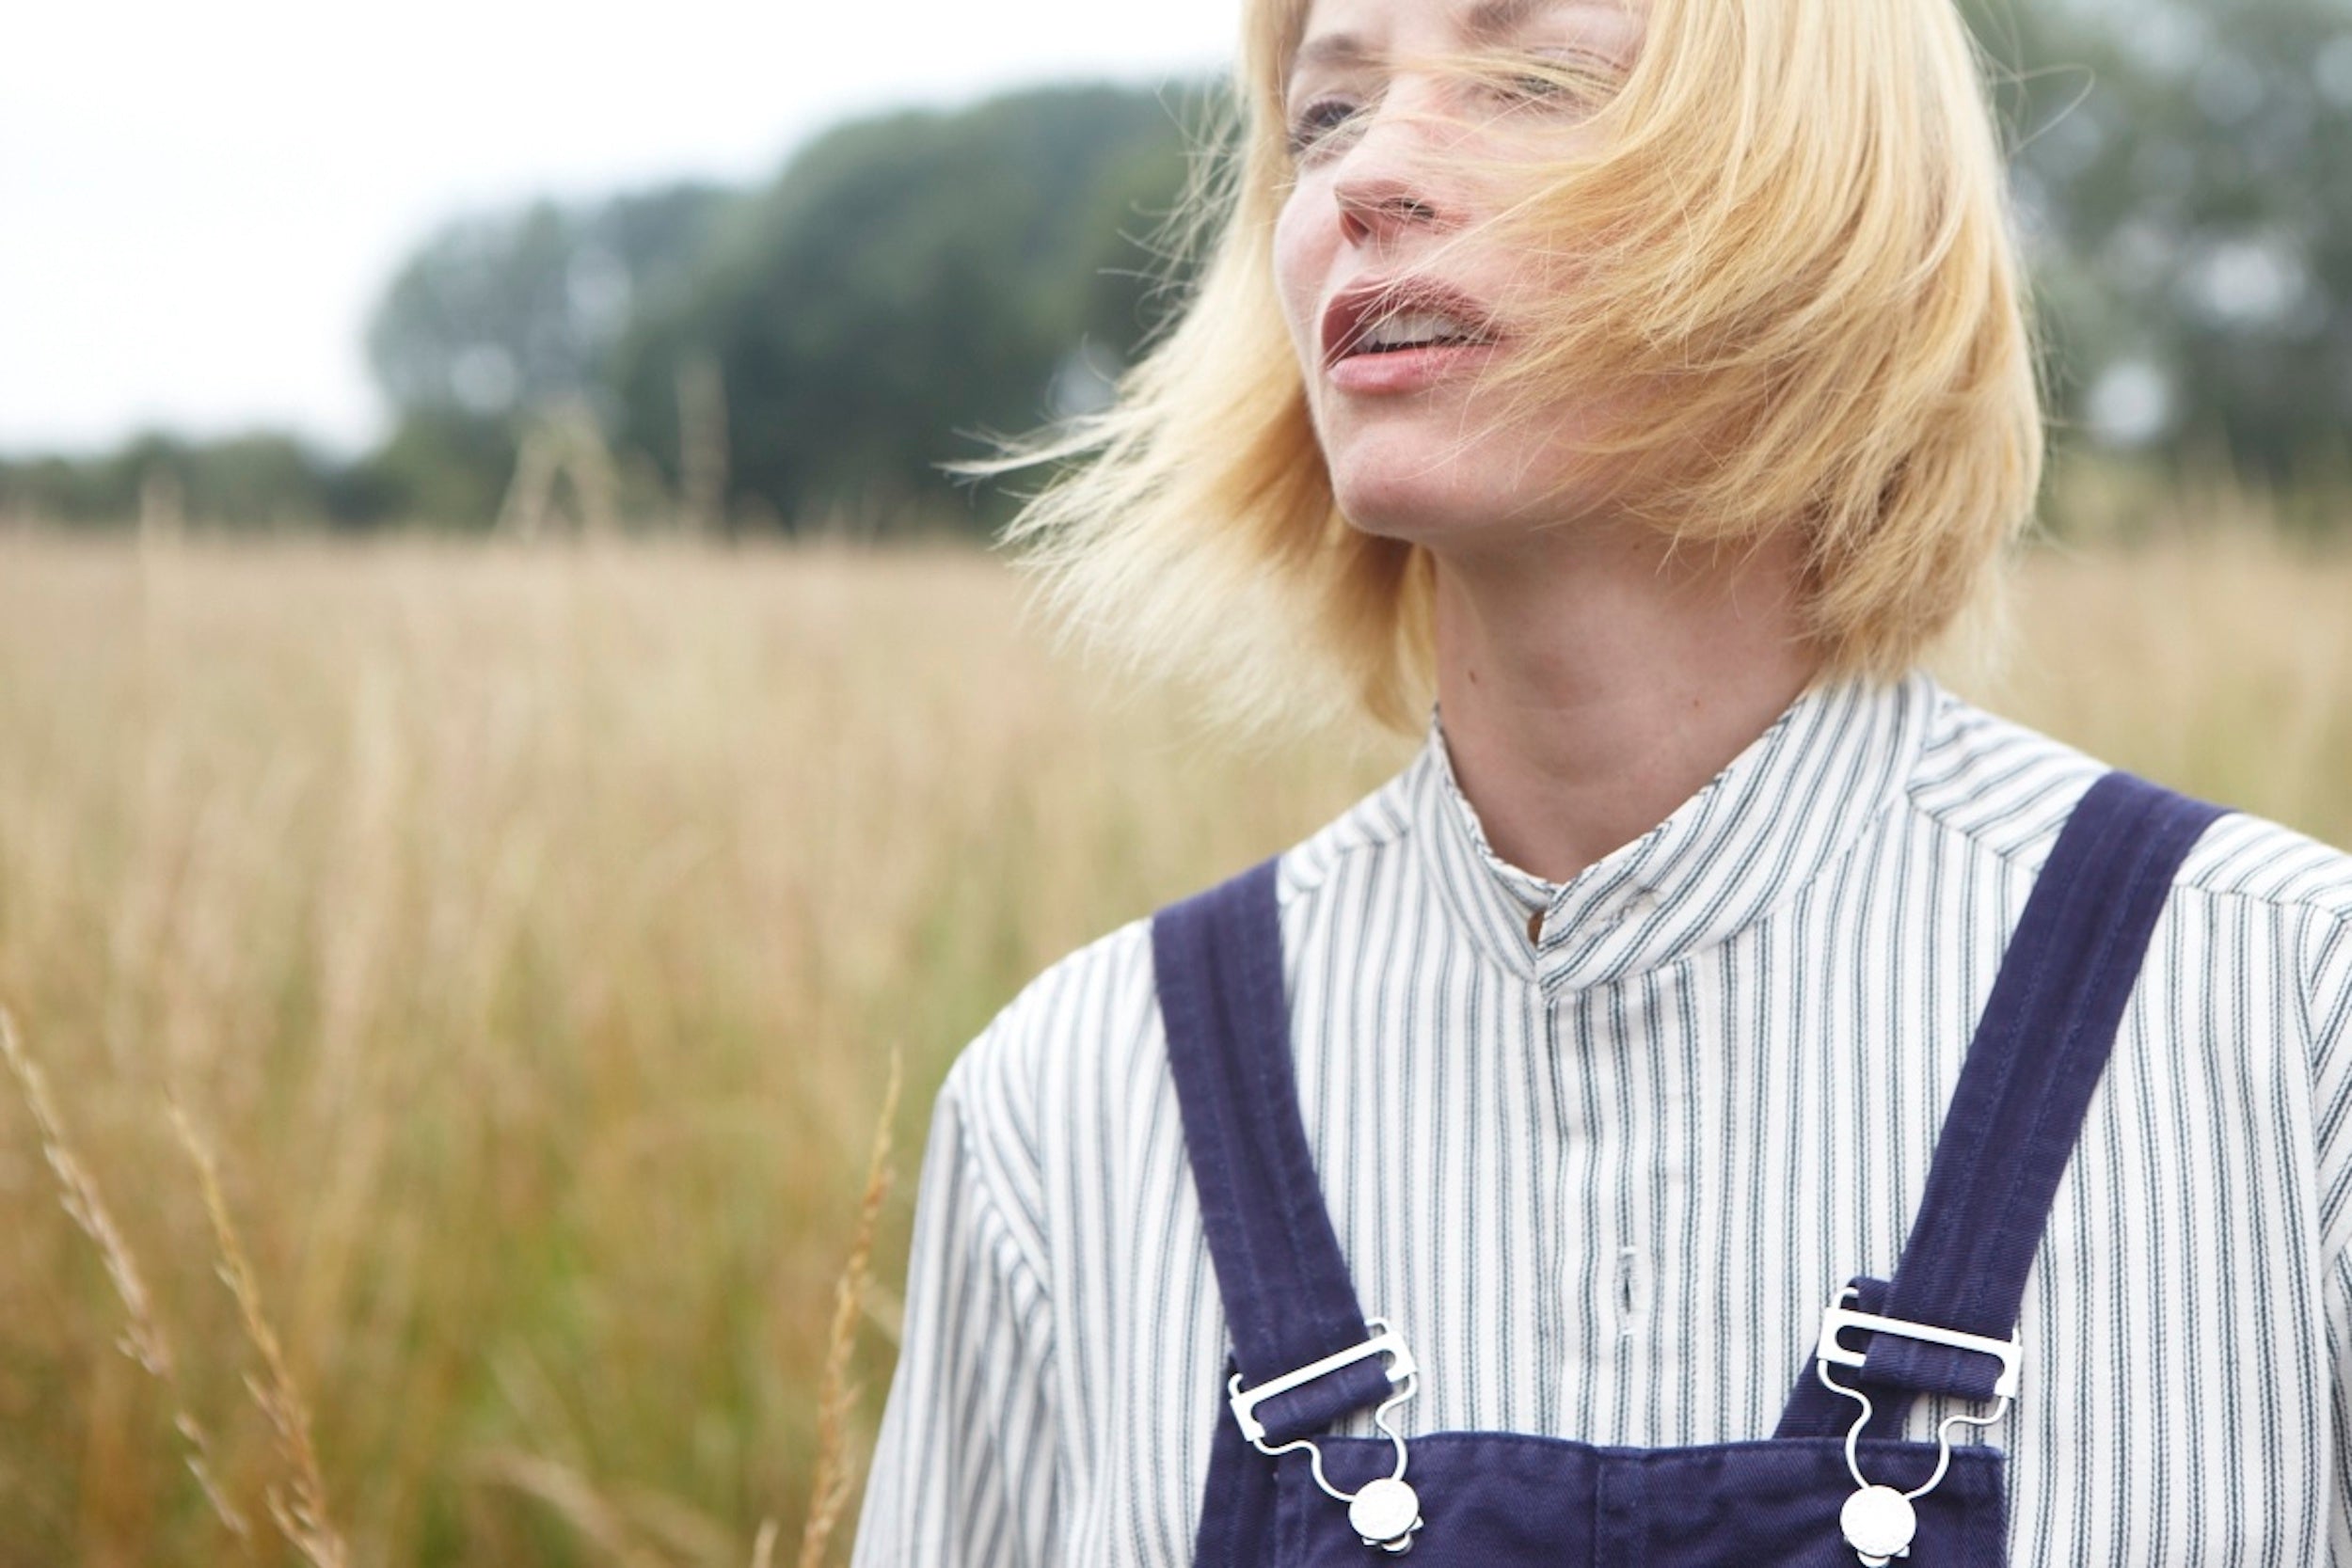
1393	298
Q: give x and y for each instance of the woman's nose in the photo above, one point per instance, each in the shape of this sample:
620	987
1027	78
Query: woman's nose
1385	182
1379	208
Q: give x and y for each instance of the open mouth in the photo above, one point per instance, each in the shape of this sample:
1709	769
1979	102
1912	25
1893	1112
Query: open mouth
1417	329
1400	318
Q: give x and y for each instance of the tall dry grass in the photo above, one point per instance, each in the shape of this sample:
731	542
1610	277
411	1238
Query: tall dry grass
531	936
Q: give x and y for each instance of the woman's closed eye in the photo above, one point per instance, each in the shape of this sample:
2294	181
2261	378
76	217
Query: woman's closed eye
1571	79
1319	122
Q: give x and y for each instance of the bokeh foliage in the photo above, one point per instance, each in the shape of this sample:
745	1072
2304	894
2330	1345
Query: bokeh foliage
910	281
2184	173
909	284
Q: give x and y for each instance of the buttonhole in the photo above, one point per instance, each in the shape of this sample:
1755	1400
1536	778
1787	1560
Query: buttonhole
1630	1290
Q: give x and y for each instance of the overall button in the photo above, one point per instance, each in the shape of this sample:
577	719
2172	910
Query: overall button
1385	1514
1879	1523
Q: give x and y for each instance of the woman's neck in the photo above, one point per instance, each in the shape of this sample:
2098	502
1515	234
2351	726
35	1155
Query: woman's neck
1590	682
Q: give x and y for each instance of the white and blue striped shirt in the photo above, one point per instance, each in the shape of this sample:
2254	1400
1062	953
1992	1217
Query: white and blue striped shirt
1602	1151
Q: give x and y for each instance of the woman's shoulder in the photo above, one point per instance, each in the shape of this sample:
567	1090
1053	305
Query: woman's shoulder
2255	948
2258	909
1093	1004
1084	1036
2009	788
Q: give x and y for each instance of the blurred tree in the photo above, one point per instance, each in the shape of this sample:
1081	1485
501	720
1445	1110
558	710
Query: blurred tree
505	314
2185	181
909	282
442	467
912	283
60	490
260	479
264	478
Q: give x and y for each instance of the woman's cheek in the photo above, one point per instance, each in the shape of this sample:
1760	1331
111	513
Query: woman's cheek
1300	262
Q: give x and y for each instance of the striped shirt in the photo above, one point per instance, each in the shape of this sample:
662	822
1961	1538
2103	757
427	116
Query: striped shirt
1602	1151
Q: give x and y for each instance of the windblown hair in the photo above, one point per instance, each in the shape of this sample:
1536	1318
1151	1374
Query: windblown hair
1792	261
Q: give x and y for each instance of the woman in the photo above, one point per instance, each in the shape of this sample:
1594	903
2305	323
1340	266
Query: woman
1648	384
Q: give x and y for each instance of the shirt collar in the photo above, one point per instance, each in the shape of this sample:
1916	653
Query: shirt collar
1775	817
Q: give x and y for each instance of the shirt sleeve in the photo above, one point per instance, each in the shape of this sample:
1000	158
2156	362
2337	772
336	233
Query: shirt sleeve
2330	1010
2340	1357
966	1468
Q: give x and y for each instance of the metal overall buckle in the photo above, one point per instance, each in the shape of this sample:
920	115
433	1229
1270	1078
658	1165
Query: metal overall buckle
1385	1512
1878	1521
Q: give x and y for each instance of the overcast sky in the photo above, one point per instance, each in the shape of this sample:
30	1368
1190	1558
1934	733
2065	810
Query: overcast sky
200	202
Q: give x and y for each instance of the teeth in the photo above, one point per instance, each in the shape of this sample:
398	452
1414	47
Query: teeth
1414	327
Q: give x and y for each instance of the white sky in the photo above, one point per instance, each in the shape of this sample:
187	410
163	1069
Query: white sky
201	202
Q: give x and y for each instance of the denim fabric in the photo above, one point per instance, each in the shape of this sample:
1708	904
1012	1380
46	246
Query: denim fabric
1492	1500
1288	1297
2038	1055
1500	1499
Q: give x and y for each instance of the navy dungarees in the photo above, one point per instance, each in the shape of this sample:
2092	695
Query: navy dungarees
1828	1489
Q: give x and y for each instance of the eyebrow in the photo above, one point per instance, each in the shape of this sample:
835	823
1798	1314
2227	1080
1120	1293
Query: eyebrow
1331	48
1492	18
1486	20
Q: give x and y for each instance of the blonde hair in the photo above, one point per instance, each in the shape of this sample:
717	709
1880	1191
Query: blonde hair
1791	247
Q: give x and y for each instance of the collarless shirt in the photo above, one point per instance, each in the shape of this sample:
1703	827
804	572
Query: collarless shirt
1602	1150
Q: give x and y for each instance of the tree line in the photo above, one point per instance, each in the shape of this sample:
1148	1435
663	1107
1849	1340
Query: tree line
806	353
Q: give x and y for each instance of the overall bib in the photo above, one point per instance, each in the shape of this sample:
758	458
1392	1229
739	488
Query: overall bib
1837	1483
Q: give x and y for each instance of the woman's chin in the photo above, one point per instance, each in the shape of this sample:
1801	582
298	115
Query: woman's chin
1438	509
1420	481
1418	503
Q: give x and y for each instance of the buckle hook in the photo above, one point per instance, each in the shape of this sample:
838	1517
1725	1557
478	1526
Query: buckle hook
1878	1521
1385	1512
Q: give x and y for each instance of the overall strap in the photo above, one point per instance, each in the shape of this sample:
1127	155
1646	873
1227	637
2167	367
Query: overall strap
2026	1084
1289	1300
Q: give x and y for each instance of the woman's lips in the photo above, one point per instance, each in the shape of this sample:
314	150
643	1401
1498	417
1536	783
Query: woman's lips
1405	370
1361	327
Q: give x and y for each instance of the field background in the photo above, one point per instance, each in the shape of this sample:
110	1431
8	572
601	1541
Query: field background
528	934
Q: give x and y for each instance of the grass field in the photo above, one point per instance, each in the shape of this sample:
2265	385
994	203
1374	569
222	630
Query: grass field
528	936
